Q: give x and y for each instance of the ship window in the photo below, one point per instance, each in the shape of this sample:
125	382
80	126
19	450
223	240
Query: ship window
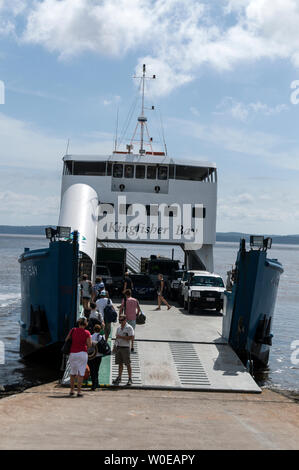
68	166
200	212
90	168
140	171
117	171
151	173
162	172
191	173
129	171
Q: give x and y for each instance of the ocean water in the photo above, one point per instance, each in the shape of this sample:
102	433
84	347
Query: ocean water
283	371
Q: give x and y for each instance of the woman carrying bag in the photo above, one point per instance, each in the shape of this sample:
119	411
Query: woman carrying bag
95	362
81	340
160	292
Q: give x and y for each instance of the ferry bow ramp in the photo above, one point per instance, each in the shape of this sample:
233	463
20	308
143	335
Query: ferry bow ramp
174	350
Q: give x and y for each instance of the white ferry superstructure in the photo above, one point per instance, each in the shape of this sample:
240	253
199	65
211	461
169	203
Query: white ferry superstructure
146	178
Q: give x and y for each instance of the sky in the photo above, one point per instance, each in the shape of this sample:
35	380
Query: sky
227	91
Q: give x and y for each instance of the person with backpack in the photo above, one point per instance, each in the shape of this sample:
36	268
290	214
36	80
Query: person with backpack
95	363
95	318
97	288
106	308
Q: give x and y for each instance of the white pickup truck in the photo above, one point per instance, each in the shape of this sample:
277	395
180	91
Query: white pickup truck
204	290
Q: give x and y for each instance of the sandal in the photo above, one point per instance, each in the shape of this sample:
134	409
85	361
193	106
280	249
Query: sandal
80	395
71	394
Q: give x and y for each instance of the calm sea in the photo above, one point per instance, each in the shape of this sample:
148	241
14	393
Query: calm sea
283	372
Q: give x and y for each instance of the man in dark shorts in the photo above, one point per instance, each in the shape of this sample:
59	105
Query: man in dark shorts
124	336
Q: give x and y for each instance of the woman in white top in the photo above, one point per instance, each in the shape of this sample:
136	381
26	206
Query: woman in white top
94	364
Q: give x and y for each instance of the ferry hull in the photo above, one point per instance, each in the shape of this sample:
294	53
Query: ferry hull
249	307
49	298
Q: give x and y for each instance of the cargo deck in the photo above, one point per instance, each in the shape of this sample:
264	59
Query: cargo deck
175	350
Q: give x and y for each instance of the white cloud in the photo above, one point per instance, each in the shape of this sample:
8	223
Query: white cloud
21	204
177	37
23	144
258	209
9	10
241	111
70	27
31	168
244	141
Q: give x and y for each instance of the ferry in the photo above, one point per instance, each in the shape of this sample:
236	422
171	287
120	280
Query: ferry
133	195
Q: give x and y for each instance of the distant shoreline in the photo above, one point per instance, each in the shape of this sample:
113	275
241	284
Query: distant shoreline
229	237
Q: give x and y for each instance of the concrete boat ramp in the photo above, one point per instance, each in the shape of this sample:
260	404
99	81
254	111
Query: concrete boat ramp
176	350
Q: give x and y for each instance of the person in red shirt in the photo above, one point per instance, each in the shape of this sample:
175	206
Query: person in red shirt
81	340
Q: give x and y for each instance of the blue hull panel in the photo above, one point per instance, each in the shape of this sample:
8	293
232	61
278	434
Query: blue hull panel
49	296
249	308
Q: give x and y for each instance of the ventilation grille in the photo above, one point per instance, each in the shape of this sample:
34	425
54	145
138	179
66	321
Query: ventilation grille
189	368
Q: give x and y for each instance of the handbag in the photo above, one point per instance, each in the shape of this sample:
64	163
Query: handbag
140	319
66	348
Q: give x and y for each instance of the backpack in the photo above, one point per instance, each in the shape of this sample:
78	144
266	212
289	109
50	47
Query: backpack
103	347
110	315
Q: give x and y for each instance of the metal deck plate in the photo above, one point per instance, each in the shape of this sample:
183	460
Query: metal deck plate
174	350
189	366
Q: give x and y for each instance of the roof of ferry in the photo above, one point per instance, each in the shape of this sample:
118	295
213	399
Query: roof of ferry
136	158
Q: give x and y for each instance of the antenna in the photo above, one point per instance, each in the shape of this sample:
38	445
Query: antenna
142	119
67	147
116	130
163	135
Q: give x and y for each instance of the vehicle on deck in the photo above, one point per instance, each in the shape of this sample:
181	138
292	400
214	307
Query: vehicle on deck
143	287
105	274
185	278
175	283
159	265
114	259
203	290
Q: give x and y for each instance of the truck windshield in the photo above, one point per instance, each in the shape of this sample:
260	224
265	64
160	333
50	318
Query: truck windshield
178	274
206	281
